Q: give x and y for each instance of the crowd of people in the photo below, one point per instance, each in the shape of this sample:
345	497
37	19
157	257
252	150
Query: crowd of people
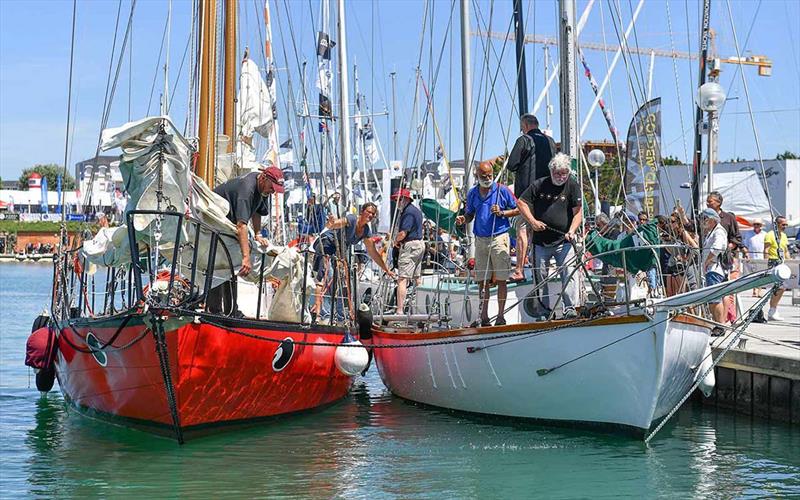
543	210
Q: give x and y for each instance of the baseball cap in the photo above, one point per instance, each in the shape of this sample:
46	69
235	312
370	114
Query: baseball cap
709	213
276	176
401	193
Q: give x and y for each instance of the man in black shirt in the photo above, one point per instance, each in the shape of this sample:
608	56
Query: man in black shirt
529	160
246	196
553	207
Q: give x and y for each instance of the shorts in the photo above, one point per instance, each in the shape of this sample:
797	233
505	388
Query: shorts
520	224
712	279
492	257
409	264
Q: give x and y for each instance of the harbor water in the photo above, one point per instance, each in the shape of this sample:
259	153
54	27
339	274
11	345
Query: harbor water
370	445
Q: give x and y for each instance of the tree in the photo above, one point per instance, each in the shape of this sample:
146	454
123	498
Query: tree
51	171
787	155
671	160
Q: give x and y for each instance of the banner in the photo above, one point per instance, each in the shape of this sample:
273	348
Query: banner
45	207
644	159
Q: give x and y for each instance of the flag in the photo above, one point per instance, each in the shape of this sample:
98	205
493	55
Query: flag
287	157
643	159
324	45
287	144
45	208
58	190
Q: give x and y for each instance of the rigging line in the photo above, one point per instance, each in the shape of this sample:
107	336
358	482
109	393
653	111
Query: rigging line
677	81
638	52
416	86
69	100
178	76
107	104
752	121
619	159
312	137
506	132
158	66
737	67
792	43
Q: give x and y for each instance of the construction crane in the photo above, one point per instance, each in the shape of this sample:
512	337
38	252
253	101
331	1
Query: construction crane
763	63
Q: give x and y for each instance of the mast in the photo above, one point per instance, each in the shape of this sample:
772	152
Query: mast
466	89
393	74
207	125
344	110
229	82
519	37
548	107
569	88
698	120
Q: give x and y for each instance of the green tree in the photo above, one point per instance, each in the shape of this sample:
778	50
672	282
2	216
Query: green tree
787	155
51	171
671	160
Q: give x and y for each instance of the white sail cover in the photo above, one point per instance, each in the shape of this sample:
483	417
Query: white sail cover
254	108
155	157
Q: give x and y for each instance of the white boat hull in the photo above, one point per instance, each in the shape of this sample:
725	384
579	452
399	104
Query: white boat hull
637	370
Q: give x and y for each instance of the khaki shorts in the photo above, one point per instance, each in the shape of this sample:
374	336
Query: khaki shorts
409	264
492	256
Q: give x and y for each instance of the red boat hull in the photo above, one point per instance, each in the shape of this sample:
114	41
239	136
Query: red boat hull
219	376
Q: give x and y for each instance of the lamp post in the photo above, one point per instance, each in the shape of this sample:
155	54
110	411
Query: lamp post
711	98
596	158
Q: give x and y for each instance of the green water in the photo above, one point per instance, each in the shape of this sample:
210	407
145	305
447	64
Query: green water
371	445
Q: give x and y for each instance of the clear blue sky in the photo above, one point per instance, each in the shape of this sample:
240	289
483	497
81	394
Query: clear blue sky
385	37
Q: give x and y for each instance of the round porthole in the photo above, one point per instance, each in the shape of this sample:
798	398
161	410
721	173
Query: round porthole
283	354
94	345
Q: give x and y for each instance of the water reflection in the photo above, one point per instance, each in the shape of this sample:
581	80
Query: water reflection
374	445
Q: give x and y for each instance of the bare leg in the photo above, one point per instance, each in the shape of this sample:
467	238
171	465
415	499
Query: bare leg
484	285
522	251
718	312
401	294
502	293
317	300
775	299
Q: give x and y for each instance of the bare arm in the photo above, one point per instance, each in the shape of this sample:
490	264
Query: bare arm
244	243
337	223
577	220
526	212
376	256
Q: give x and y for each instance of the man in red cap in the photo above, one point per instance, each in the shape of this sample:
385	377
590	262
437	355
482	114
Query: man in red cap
409	241
247	199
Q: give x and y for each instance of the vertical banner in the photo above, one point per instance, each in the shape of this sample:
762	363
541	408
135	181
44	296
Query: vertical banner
45	208
60	194
643	159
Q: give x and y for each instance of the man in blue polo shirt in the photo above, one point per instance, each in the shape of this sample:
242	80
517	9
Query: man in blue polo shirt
409	241
491	205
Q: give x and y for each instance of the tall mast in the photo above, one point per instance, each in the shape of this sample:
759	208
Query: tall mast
569	88
466	89
344	110
229	81
393	74
519	37
207	126
698	121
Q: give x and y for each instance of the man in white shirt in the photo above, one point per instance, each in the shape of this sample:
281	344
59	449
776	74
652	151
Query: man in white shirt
755	241
755	249
714	245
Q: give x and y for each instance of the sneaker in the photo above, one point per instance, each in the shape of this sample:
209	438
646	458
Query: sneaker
774	316
500	321
570	313
760	318
718	331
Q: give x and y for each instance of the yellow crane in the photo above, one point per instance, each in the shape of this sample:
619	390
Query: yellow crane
763	63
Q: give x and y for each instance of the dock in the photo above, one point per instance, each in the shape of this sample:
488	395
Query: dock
760	375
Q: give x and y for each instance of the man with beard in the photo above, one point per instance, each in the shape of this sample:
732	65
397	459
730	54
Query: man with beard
553	207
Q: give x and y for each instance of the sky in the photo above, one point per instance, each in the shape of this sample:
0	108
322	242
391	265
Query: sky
399	36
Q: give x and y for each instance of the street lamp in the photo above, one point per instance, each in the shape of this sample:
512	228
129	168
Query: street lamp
596	158
711	98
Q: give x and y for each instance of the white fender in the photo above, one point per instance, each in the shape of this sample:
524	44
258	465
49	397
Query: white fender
709	381
351	358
